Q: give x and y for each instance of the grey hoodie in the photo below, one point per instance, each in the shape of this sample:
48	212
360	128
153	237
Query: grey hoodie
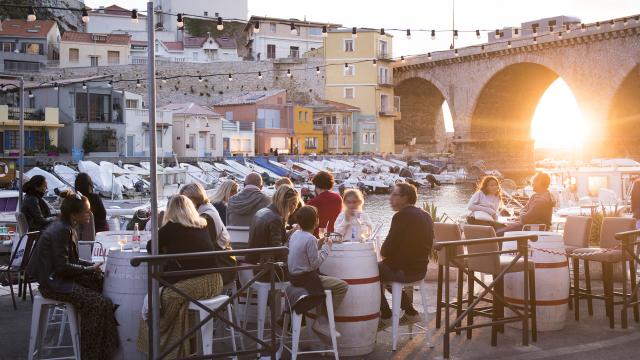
223	238
244	205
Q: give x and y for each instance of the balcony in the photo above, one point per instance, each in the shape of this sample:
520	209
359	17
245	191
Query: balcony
389	112
33	117
385	81
384	55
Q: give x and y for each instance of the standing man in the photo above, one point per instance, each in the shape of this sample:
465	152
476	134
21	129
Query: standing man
245	204
328	203
635	201
405	251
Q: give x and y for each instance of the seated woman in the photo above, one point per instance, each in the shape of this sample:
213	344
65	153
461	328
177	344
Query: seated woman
34	208
84	185
485	204
217	231
220	199
352	223
183	231
63	276
268	225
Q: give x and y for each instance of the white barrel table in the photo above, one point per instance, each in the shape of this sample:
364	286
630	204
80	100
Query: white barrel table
126	286
358	315
552	280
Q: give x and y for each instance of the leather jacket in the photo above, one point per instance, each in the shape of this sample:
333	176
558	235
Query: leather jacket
267	230
55	261
37	212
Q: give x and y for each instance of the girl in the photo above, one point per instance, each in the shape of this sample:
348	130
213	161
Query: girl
34	208
485	204
352	223
84	185
220	199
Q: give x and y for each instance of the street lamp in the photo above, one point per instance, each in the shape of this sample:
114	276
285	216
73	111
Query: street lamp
21	161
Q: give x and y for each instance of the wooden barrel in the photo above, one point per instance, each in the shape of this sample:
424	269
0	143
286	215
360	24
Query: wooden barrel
552	280
358	315
126	286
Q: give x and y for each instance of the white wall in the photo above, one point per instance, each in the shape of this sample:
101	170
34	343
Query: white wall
86	50
282	45
229	9
117	24
196	125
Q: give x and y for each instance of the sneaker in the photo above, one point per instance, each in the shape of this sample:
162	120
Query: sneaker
321	326
408	318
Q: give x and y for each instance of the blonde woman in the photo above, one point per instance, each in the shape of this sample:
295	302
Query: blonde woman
220	199
268	225
352	223
217	231
182	231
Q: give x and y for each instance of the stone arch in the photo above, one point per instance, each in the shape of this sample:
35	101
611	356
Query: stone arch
421	114
624	117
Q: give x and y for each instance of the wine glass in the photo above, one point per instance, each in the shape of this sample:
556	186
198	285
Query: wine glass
322	232
122	242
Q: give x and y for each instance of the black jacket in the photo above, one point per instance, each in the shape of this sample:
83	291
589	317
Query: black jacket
55	261
222	210
99	212
36	210
267	230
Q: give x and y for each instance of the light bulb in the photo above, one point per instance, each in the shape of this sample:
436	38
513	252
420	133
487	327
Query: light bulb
55	86
374	62
382	31
134	16
598	25
31	14
509	44
220	25
30	95
429	56
433	34
408	34
84	85
354	33
455	34
568	28
259	75
200	79
613	24
535	40
402	59
498	34
477	34
256	27
455	52
85	15
292	26
324	31
318	70
230	77
138	84
559	34
288	72
180	21
164	80
110	84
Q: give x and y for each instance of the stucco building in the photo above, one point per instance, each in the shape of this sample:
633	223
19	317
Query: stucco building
197	130
28	46
92	49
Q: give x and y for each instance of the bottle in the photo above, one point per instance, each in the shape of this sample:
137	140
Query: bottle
135	241
353	233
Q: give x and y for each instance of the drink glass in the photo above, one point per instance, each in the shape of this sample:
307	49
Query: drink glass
322	232
122	242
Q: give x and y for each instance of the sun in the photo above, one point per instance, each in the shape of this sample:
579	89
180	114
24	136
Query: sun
558	121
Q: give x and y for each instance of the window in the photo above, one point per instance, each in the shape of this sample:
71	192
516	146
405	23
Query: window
192	142
346	120
383	76
94	60
396	103
317	123
349	93
348	45
7	46
315	32
331	120
131	103
271	51
113	57
294	52
147	139
33	49
300	115
212	141
365	138
350	70
206	13
372	138
11	139
311	143
382	49
384	103
344	141
229	115
272	27
305	116
268	119
298	32
74	55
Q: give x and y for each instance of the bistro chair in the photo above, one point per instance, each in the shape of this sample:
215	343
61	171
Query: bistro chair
448	232
207	330
22	226
18	264
577	230
629	243
608	254
40	322
534	227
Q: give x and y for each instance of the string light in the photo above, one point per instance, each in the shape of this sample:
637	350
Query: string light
455	34
613	24
374	62
324	31
598	25
433	34
200	79
402	59
516	32
318	70
509	44
180	21
535	30
110	84
31	14
482	48
455	52
354	33
220	25
260	75
535	40
84	85
568	28
382	31
559	34
624	22
293	28
85	15
497	34
477	34
55	86
30	95
230	77
289	72
429	56
134	16
164	80
408	34
583	27
138	84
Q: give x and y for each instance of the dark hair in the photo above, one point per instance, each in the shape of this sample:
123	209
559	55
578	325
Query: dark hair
484	184
544	179
84	184
409	191
35	182
323	180
307	217
72	203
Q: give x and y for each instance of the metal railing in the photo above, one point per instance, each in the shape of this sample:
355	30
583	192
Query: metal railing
155	272
629	241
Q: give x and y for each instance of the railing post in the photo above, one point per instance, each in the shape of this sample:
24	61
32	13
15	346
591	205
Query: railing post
272	298
446	303
524	251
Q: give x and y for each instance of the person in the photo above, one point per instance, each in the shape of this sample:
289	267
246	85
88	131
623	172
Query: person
84	185
245	204
34	208
283	181
220	199
63	276
352	223
182	231
306	254
635	201
485	204
539	208
405	251
218	234
328	203
268	226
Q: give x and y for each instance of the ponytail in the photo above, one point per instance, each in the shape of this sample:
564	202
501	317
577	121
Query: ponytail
72	203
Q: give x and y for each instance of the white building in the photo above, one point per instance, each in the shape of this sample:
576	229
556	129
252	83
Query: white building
87	49
197	130
192	49
137	128
282	38
235	9
238	138
117	20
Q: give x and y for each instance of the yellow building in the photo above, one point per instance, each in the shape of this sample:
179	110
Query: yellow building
306	138
41	129
359	73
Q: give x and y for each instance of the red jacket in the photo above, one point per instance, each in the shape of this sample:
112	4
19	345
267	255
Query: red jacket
329	205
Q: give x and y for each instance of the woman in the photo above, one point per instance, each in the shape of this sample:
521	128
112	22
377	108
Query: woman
63	276
328	203
34	208
84	185
220	199
268	225
217	231
352	223
283	181
182	231
485	204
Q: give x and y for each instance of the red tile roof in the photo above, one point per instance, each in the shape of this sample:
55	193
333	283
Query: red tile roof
194	42
23	28
113	39
339	106
226	42
173	45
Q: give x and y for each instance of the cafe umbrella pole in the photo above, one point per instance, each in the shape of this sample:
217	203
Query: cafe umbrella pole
151	88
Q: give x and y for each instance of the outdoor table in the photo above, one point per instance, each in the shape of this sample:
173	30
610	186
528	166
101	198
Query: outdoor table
358	315
552	279
126	286
109	241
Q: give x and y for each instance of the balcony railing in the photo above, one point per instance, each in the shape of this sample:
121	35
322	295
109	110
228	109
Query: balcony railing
29	114
385	81
385	111
384	54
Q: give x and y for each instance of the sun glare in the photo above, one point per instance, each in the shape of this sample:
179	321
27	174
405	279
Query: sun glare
558	121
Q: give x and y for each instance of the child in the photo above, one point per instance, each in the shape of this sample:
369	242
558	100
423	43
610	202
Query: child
352	223
305	259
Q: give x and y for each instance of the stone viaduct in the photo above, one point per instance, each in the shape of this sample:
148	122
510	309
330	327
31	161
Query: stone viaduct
492	91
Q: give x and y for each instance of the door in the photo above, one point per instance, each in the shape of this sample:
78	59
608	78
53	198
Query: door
130	142
202	144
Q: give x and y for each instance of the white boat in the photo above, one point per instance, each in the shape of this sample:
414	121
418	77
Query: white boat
103	180
52	181
239	176
66	174
259	169
239	167
133	169
197	175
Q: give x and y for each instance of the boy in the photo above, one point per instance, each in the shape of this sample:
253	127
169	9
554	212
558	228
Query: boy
306	254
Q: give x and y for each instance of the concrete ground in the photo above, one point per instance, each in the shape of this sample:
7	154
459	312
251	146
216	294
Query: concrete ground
591	338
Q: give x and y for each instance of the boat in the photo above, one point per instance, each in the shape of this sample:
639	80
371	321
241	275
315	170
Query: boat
103	180
53	182
66	174
208	180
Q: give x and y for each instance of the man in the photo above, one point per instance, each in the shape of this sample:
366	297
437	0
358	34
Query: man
405	251
245	204
328	203
635	201
538	209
